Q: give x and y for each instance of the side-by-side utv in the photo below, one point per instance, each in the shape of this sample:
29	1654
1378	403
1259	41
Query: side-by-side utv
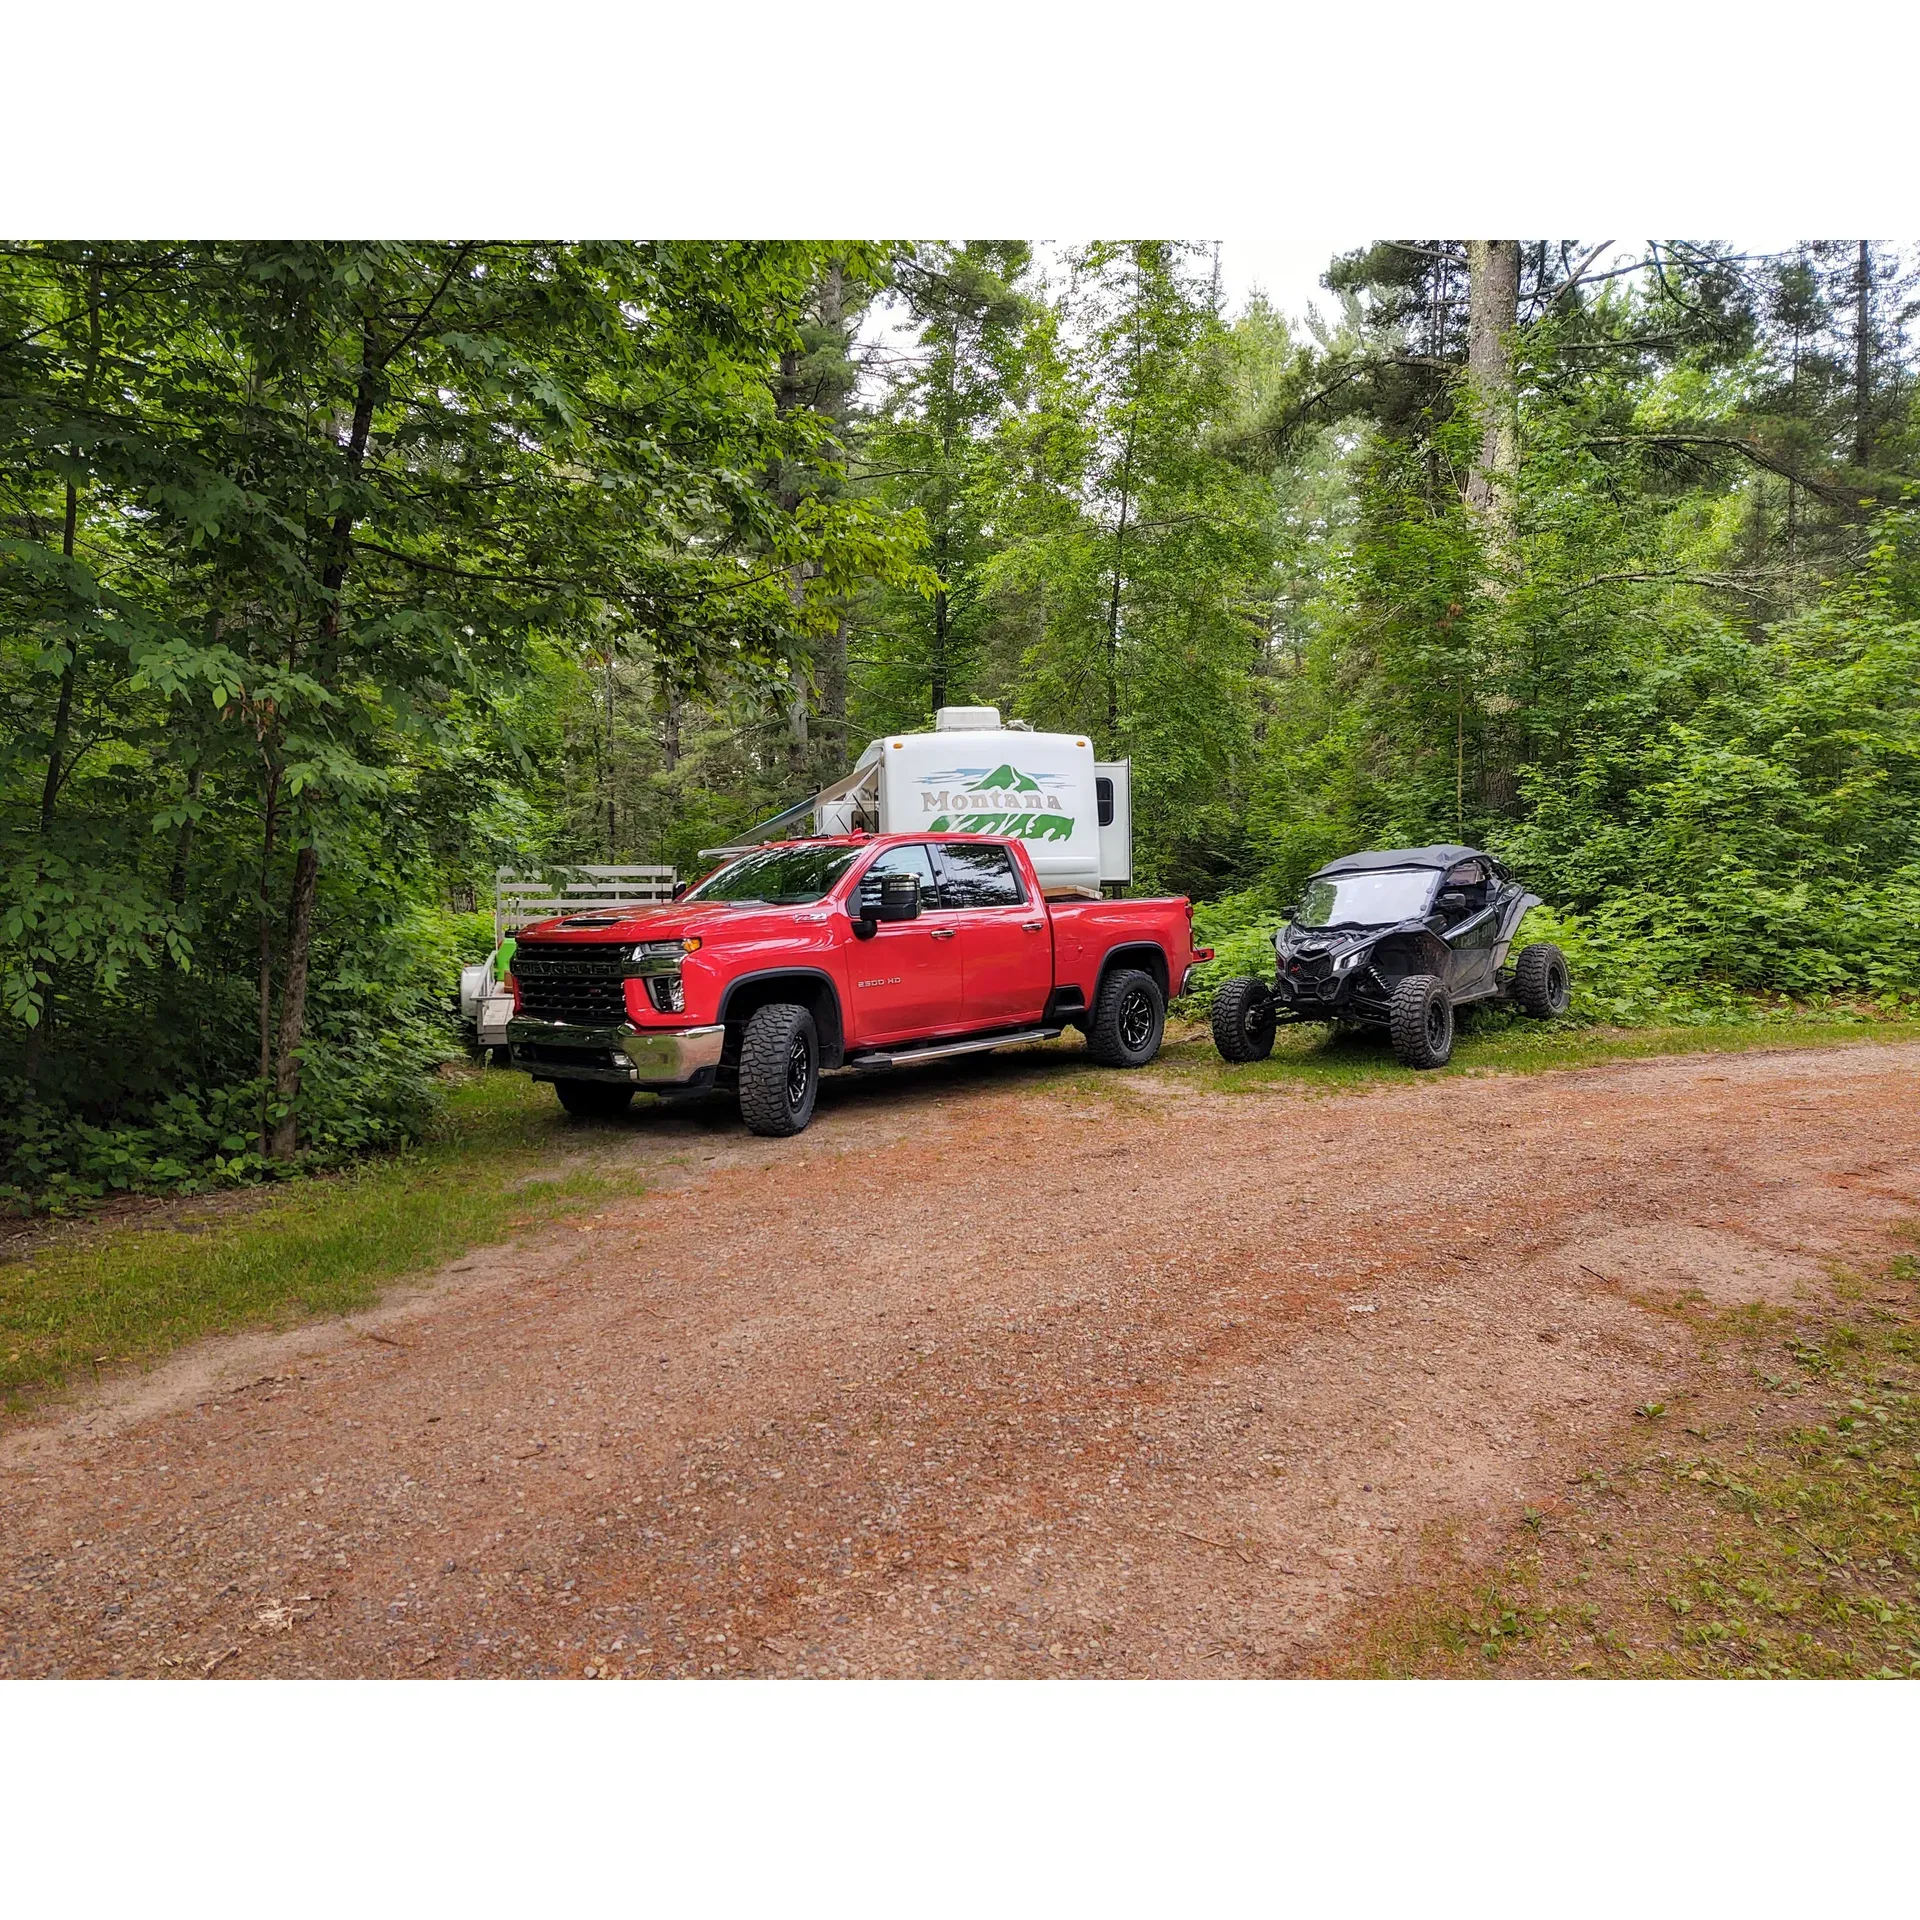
1398	940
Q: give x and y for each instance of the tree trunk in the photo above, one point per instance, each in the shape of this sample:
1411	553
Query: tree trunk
69	679
1863	357
70	673
1113	604
833	684
269	824
670	724
612	669
798	734
183	847
937	680
293	1002
1493	311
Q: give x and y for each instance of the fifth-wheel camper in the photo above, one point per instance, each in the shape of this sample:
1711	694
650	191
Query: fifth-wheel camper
972	775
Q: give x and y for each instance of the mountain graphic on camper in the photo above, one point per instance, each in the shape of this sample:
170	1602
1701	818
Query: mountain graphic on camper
1007	776
1005	801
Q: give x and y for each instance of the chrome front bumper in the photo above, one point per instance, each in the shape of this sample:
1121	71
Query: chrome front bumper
625	1056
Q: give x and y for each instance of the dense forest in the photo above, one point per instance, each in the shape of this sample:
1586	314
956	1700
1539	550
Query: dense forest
334	577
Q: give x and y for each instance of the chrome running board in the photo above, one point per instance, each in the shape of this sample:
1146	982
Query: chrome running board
984	1043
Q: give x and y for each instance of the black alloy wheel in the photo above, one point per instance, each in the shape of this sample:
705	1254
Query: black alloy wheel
779	1070
1243	1019
1541	983
1129	1017
799	1073
1421	1022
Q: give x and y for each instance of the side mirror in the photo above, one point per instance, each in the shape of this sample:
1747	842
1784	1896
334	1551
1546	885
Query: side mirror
679	887
1452	904
887	896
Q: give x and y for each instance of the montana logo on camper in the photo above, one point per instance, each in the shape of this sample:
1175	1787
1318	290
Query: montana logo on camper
1006	801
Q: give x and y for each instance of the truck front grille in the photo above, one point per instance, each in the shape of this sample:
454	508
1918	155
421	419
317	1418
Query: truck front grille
584	984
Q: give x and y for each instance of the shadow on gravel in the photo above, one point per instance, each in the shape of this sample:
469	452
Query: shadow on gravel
1032	1068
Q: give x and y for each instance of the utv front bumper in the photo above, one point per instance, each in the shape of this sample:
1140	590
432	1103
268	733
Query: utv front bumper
1307	993
626	1056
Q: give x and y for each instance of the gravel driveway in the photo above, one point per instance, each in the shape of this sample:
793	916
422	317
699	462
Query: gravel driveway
1001	1369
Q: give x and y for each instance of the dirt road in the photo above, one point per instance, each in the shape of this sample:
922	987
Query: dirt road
1002	1370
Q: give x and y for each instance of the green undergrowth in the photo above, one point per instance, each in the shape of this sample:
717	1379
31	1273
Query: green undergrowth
1782	1544
1503	1042
109	1294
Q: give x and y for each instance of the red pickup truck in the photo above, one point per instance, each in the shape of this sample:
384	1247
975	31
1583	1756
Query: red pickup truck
865	951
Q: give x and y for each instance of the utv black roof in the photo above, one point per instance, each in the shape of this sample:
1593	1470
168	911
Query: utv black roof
1440	857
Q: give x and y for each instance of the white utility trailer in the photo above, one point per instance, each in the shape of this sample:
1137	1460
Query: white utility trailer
973	775
519	899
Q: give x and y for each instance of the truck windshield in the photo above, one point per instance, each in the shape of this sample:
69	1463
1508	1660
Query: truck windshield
1364	899
777	876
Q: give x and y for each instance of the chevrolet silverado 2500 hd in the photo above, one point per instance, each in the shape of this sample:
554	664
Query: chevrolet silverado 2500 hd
859	950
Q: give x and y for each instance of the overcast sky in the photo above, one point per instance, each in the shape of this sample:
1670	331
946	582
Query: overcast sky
1288	272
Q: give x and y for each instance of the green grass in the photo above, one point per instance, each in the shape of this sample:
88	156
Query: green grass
1734	1548
499	1157
1823	1580
1317	1056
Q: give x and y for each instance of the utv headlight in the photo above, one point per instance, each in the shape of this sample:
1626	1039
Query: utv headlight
1348	961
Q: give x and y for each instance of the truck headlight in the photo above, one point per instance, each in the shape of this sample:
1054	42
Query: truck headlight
657	962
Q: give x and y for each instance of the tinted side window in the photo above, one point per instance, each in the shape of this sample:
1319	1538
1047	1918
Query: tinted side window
978	877
911	860
1103	798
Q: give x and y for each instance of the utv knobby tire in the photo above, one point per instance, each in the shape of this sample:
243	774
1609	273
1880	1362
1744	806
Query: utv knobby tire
1243	1019
593	1099
1422	1021
1129	1016
1541	984
779	1070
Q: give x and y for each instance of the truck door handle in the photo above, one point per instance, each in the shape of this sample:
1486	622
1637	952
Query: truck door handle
943	933
1031	926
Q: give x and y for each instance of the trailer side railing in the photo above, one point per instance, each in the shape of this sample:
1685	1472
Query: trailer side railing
519	898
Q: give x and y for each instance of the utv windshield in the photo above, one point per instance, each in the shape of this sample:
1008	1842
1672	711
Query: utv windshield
778	877
1365	899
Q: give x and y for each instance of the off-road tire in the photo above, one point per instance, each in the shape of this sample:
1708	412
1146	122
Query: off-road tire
1243	1019
1129	1016
779	1070
1541	984
593	1099
1422	1021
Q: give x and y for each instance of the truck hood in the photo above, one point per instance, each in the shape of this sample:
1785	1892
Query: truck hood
716	924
